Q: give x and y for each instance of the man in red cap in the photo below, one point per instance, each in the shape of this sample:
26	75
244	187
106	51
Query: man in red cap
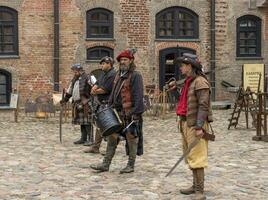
194	112
127	99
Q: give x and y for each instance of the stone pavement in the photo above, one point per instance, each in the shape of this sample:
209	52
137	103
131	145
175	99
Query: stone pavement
34	165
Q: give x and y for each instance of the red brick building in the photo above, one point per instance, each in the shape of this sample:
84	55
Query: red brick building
35	58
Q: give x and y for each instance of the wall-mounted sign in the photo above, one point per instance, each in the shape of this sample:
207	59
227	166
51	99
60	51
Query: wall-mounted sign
251	75
13	100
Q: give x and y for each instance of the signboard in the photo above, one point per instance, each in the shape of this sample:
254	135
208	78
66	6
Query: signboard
13	100
251	75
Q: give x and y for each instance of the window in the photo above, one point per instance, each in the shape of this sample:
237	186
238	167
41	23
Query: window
96	53
99	23
8	31
177	23
5	87
248	36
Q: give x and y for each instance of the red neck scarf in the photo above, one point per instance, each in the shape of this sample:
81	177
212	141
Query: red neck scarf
182	105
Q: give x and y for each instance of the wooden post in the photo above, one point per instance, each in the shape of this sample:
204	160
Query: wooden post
265	113
259	118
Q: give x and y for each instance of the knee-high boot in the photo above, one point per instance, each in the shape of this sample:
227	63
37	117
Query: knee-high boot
89	130
190	190
110	151
84	134
95	148
132	147
199	189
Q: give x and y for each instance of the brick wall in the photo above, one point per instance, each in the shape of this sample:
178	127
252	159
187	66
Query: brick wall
134	26
266	24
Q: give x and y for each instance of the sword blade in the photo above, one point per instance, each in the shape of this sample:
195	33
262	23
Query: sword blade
61	111
128	126
192	145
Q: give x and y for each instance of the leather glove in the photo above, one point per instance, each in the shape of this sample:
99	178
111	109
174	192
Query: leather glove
135	118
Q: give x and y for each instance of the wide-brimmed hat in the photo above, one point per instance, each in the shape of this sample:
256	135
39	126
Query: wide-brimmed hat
76	66
189	58
107	59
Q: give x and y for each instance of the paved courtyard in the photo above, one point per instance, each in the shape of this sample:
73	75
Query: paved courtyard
34	165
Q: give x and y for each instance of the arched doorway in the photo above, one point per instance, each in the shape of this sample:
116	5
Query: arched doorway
5	87
167	68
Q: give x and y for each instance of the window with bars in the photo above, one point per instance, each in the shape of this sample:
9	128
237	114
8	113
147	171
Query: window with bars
99	23
248	36
96	53
177	23
8	31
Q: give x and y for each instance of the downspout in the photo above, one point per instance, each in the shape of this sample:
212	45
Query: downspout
213	49
56	59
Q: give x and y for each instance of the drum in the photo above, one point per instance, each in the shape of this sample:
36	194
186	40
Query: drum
108	121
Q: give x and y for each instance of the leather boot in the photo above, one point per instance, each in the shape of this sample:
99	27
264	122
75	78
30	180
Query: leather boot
95	148
190	190
89	130
110	151
199	189
84	133
132	146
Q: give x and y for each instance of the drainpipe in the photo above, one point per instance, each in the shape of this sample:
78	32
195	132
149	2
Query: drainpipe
213	49
56	59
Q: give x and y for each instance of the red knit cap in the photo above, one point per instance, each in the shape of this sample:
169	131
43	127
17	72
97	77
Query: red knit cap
125	53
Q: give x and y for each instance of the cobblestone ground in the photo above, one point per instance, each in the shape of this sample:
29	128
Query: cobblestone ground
34	165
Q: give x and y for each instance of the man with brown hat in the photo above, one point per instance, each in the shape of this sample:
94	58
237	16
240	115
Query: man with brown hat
102	90
194	112
127	99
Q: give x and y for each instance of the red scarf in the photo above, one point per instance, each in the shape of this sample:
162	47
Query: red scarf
182	105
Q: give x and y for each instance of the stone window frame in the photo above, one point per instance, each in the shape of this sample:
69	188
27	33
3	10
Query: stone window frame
176	23
246	30
4	25
7	83
101	51
98	23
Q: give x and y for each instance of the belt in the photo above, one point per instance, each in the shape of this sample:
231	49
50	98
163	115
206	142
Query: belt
182	118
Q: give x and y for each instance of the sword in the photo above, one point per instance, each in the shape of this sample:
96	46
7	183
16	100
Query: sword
61	112
128	126
192	145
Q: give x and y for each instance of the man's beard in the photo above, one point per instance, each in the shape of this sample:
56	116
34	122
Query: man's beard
124	67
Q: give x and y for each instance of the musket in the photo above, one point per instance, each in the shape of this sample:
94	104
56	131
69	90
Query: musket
180	82
61	113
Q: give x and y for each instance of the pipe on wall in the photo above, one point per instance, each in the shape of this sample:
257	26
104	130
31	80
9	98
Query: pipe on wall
56	59
212	50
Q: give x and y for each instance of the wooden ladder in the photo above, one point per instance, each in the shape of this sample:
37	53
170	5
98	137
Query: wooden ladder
250	107
238	106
